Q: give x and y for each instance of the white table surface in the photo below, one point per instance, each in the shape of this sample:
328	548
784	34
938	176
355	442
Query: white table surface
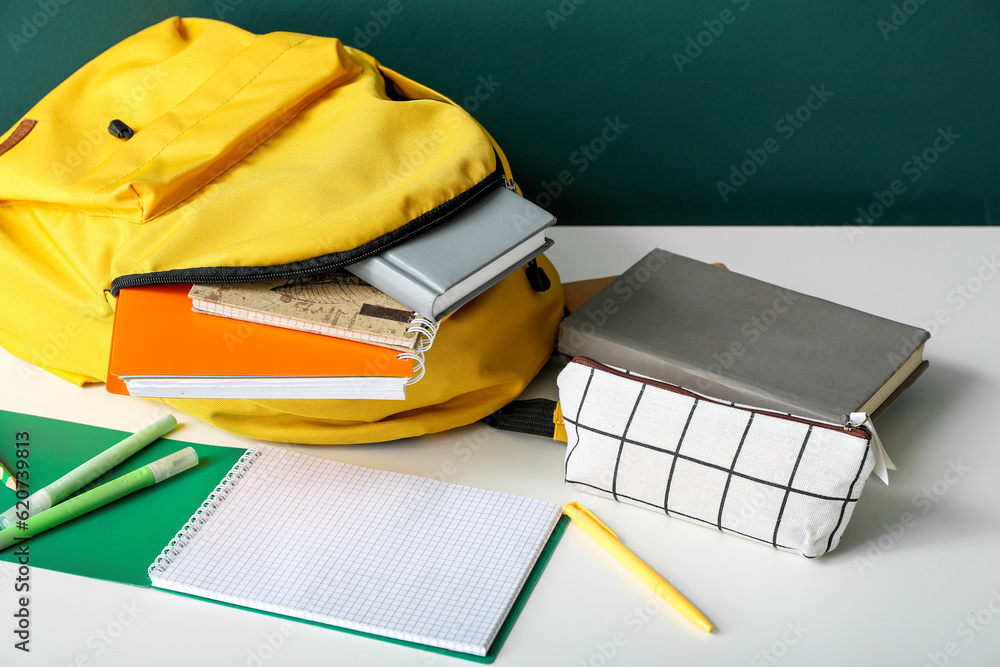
889	595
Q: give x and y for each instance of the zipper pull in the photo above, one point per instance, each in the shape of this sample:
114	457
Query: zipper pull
882	461
537	277
509	184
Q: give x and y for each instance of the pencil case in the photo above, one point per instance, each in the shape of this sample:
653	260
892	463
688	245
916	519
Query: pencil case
766	476
782	480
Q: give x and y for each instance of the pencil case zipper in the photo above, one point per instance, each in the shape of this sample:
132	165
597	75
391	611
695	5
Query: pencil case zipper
323	263
858	431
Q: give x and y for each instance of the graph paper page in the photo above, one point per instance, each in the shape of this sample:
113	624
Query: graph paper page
395	555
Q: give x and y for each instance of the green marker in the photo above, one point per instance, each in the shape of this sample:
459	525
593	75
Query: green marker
147	475
75	479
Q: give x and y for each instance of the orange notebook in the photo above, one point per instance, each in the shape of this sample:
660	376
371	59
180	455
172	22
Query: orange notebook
162	348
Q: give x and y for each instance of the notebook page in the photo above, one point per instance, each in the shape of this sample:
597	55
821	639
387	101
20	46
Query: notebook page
381	552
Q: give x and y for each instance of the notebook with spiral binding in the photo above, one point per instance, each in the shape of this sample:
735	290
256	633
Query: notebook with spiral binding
162	348
393	555
334	303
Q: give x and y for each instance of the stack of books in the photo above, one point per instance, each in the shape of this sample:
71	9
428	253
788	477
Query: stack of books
358	331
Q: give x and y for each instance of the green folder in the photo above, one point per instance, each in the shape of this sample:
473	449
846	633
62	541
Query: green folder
119	541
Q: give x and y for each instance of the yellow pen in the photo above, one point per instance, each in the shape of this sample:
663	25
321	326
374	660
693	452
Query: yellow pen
591	525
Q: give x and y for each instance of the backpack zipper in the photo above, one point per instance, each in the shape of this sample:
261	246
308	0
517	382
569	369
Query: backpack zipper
857	431
238	274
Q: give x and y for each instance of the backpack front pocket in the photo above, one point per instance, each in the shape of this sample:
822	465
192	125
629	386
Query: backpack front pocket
187	129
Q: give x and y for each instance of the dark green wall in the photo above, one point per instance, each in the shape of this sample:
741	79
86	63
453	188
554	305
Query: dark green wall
561	73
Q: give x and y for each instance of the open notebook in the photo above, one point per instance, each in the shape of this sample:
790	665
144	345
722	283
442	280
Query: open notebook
394	555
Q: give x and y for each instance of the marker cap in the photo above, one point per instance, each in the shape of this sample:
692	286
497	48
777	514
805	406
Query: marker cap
177	462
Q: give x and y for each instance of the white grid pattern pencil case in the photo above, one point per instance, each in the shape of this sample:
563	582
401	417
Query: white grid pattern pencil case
766	476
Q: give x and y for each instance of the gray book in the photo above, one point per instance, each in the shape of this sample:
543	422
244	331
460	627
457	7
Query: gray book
739	339
441	269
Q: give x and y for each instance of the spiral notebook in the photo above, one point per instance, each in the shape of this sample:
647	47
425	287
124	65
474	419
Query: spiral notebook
394	555
334	303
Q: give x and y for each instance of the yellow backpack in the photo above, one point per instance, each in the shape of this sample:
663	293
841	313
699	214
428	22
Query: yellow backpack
253	157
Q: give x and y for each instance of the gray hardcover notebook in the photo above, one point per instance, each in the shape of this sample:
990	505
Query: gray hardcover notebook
439	270
744	340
